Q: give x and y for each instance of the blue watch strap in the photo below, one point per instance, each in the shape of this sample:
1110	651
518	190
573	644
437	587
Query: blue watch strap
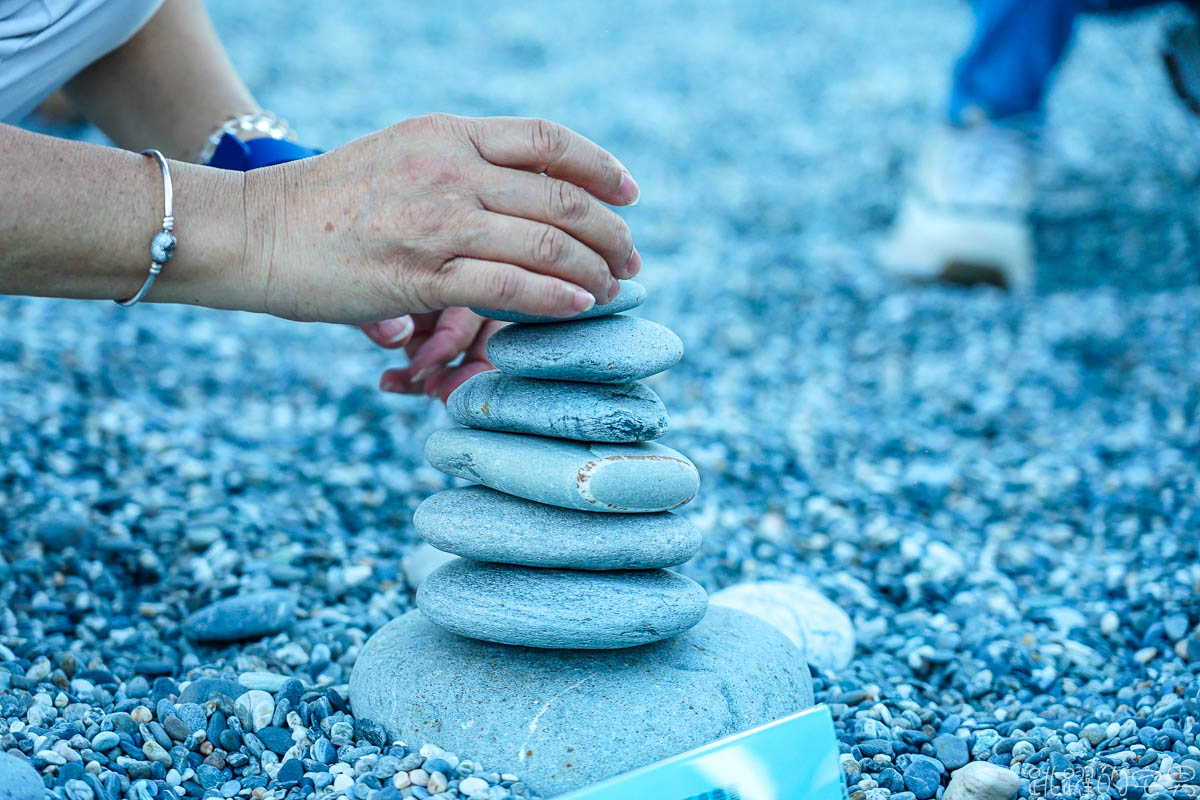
233	153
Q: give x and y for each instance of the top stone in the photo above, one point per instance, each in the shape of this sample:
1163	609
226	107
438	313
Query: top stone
632	295
615	349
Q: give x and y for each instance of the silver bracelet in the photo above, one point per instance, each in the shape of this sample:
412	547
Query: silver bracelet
262	124
162	246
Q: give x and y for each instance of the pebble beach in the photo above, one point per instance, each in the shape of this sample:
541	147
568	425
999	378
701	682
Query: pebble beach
1002	492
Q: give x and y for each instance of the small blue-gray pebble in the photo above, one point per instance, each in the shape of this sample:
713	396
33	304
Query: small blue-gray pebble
621	478
615	349
923	777
483	524
951	750
560	608
588	412
632	295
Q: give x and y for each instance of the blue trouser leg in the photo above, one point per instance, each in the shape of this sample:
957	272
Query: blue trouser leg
1005	72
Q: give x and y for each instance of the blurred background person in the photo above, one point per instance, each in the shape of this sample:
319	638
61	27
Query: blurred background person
965	218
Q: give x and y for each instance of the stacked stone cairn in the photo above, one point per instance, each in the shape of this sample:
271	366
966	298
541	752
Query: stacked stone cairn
565	537
558	646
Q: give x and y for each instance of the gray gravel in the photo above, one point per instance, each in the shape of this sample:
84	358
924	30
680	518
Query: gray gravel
1002	492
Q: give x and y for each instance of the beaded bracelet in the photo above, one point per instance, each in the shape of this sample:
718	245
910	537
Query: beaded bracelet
262	124
162	246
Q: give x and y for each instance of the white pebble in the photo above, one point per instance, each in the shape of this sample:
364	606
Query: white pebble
814	623
419	777
342	782
473	787
51	757
401	780
417	565
260	705
437	783
982	780
263	681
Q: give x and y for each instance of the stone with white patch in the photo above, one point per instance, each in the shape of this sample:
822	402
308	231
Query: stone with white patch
630	478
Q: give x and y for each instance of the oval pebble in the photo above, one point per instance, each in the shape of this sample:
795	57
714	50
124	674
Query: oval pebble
983	780
589	412
485	525
632	295
560	608
620	478
615	349
246	616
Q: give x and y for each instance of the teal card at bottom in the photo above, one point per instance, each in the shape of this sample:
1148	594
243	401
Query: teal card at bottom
795	758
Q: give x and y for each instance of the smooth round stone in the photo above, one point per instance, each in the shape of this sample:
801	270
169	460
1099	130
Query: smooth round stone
485	525
588	412
536	607
614	349
632	295
564	719
245	616
821	630
983	780
620	478
421	561
19	780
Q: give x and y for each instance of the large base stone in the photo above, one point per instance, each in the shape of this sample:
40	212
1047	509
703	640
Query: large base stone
563	719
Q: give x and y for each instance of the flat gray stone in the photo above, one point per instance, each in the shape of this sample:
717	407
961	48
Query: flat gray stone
19	780
614	349
620	478
537	607
563	719
588	412
244	616
485	525
632	295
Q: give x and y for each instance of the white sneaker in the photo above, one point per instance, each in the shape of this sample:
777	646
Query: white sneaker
966	216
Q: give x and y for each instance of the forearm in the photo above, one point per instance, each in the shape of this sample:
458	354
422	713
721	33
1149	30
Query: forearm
168	87
76	221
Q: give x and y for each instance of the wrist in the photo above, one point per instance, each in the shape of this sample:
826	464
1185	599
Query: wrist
210	267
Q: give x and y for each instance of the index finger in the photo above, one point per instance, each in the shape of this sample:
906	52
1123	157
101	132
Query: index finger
538	145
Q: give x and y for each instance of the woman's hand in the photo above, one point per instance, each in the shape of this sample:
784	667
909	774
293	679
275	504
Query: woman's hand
441	211
431	342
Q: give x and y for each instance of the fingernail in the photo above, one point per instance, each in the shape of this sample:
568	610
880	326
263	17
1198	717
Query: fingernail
634	265
395	331
390	384
419	374
583	301
614	289
628	190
